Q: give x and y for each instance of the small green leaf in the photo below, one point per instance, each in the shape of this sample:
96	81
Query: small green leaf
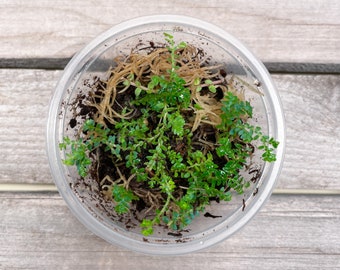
138	91
197	81
177	123
131	77
123	198
167	35
197	106
68	162
147	227
212	88
182	45
186	175
147	231
62	146
89	125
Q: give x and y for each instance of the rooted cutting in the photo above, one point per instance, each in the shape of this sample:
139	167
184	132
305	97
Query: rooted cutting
165	133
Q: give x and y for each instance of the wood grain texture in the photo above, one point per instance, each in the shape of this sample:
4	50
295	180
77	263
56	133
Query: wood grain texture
290	232
296	229
312	108
24	98
276	31
311	104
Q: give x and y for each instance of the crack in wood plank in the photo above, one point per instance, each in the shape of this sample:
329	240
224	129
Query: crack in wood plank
26	188
273	67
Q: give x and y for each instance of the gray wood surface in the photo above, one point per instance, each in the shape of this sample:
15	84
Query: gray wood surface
305	31
298	41
37	231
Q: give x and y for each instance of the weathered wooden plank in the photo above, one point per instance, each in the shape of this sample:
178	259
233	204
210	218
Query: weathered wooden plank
312	108
291	232
277	31
24	98
311	104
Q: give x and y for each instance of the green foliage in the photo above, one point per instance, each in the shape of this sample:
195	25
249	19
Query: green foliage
123	198
211	86
172	49
176	123
164	92
78	154
156	148
96	136
234	116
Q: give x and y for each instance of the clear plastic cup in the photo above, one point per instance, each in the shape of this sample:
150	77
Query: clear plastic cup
83	197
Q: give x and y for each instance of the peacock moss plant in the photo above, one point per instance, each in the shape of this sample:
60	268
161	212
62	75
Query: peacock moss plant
166	132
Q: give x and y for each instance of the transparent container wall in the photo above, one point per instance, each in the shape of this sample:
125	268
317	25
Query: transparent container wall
95	63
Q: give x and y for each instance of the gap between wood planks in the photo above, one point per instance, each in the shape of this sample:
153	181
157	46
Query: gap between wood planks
273	67
52	188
